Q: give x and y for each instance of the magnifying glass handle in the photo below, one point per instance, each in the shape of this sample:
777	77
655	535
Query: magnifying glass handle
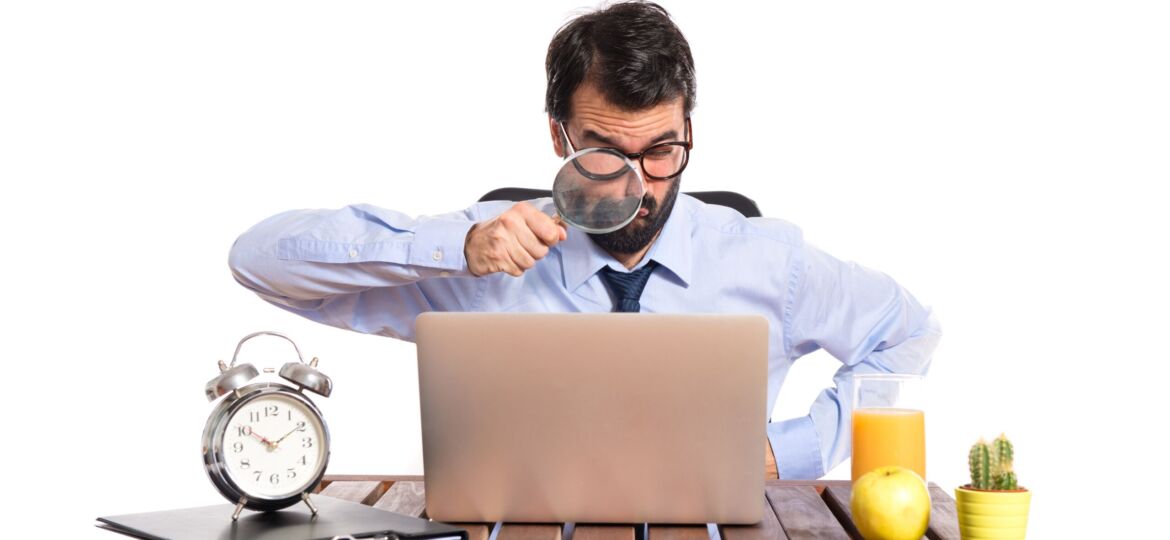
560	221
556	217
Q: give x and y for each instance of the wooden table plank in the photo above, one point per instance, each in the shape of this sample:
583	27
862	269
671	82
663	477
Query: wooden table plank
944	522
603	532
838	496
678	532
803	513
767	529
407	498
529	531
364	492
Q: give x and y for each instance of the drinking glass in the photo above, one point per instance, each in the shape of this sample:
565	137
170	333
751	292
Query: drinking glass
888	423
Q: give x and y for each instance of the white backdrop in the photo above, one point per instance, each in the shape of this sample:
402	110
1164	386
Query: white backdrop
1004	160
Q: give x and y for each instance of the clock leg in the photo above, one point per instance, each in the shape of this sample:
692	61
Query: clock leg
312	508
239	508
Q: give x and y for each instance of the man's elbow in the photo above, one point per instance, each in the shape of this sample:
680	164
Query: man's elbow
244	262
926	340
253	259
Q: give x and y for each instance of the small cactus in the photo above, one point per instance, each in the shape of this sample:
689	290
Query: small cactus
991	465
1006	482
1003	451
980	461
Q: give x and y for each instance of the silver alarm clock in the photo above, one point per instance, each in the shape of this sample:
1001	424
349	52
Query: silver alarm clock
266	445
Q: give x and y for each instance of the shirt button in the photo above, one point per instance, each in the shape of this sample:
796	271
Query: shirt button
353	253
437	255
444	273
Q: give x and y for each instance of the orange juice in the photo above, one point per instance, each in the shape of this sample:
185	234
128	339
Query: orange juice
884	437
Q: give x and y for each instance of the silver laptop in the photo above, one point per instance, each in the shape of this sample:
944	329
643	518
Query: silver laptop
598	418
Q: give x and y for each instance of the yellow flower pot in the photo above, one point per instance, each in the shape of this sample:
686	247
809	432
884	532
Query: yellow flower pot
992	514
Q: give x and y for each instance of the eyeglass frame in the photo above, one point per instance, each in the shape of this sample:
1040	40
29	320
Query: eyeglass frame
687	145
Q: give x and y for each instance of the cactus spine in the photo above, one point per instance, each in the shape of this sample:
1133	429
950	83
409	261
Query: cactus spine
991	465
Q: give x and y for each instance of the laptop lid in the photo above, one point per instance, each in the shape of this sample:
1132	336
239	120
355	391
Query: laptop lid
603	418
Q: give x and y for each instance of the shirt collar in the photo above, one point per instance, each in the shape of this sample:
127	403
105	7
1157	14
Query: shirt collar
582	258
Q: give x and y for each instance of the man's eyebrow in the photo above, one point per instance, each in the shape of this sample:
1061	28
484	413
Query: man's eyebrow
590	134
668	135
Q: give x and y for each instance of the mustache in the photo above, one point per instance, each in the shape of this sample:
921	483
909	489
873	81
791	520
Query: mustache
607	212
650	204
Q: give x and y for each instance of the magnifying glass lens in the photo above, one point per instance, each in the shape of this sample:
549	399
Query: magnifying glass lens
598	190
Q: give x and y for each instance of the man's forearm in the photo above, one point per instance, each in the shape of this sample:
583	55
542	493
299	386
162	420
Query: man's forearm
359	268
308	255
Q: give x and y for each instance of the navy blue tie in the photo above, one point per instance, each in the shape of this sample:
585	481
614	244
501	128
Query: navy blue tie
627	286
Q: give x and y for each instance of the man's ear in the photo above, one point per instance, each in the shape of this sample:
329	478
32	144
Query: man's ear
554	130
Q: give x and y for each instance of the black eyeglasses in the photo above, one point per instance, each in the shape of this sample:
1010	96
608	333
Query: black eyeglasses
661	161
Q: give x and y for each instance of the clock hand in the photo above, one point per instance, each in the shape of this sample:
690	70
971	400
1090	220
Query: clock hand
290	432
264	440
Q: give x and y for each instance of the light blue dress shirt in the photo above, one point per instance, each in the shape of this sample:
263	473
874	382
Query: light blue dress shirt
374	270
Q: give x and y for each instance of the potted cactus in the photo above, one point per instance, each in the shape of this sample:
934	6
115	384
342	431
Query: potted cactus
992	505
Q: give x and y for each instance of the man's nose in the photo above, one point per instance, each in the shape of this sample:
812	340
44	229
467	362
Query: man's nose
636	187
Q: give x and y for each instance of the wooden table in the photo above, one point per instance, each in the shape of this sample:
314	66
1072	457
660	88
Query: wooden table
799	509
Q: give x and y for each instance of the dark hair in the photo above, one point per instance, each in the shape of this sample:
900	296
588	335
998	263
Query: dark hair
632	51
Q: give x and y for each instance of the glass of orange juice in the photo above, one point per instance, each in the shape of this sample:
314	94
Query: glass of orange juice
888	423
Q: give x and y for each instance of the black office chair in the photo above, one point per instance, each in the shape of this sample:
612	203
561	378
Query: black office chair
730	199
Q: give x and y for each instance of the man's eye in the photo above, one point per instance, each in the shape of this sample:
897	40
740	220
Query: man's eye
659	154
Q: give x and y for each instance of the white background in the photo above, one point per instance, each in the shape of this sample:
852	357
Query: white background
1004	160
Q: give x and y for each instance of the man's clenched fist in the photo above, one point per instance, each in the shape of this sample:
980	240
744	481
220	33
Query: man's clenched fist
511	242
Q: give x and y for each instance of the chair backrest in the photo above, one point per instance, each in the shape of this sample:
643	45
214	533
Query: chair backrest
730	199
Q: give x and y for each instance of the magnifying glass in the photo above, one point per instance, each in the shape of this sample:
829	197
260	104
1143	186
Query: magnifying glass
598	190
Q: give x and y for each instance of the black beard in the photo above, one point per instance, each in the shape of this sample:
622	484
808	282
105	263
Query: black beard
638	234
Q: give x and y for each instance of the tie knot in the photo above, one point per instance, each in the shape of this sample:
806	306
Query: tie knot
627	286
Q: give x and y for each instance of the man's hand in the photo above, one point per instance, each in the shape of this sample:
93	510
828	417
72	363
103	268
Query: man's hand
770	471
511	242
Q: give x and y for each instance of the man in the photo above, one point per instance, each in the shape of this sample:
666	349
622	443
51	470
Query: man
621	77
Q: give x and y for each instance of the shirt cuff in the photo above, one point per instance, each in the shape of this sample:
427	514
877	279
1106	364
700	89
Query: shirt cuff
438	243
797	449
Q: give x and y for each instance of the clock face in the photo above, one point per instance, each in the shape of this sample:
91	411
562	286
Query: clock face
274	446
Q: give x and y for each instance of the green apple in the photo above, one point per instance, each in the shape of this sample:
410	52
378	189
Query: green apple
890	503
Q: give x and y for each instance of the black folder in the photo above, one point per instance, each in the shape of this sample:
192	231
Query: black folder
335	517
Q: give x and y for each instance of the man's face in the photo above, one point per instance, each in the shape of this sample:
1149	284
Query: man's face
597	122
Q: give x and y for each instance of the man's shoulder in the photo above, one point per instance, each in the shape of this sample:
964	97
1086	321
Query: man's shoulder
721	220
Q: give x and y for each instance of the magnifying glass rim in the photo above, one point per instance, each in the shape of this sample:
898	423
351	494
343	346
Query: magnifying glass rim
629	163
